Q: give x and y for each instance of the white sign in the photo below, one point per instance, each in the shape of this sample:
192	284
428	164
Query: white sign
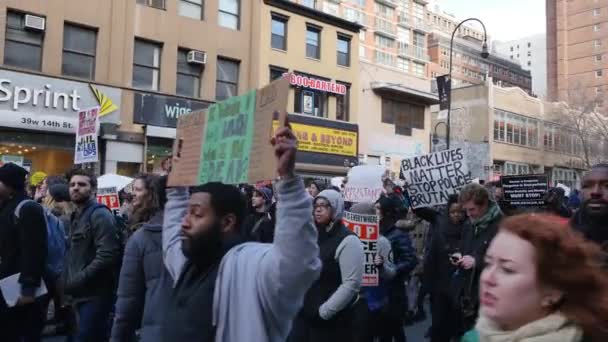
364	184
87	149
7	158
432	178
52	104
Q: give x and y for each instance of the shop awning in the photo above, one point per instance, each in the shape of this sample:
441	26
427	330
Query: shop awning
404	93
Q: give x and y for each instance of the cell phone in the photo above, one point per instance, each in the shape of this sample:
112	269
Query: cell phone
454	258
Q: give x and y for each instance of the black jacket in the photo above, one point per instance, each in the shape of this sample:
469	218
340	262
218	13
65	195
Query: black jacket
592	230
258	227
23	243
94	254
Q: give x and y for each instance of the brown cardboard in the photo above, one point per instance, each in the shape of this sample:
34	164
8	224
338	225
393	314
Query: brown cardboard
189	139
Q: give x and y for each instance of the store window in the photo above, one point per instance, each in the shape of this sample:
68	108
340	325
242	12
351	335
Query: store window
228	15
311	101
276	72
157	154
22	48
278	38
188	75
146	65
343	104
313	42
227	83
79	45
343	50
192	9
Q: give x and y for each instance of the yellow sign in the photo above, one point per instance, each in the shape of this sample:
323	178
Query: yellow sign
106	106
324	140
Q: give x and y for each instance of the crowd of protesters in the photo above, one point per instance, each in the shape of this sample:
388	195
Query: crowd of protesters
275	262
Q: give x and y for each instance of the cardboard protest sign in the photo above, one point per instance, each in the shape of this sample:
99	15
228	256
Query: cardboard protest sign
109	198
229	142
87	149
432	178
368	230
524	191
364	184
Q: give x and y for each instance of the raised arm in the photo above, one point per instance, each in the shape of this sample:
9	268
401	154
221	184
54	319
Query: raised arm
175	210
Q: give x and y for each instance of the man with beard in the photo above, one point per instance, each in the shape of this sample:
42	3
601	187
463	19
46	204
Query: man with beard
228	291
23	251
592	218
92	260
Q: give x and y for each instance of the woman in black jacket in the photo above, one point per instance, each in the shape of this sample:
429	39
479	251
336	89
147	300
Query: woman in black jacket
440	270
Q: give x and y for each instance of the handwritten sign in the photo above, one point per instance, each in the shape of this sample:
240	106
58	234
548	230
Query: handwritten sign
368	230
525	191
229	142
87	149
364	184
432	178
109	198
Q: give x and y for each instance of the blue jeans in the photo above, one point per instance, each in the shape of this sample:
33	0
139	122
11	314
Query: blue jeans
93	320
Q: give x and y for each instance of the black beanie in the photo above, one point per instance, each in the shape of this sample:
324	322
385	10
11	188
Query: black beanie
60	192
13	176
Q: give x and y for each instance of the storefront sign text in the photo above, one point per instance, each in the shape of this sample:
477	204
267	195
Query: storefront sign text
316	84
162	111
324	140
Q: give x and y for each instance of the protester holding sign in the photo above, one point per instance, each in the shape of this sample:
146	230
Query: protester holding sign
225	291
404	259
328	305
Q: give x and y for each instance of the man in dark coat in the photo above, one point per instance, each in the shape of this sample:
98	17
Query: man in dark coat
259	225
592	218
23	251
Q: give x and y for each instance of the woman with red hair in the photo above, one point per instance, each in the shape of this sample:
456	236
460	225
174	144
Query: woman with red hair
541	282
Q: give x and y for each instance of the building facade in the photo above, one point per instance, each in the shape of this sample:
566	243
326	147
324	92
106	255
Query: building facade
531	53
521	134
148	63
577	40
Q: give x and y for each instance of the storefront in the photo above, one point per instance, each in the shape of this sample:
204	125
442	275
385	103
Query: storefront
38	118
159	114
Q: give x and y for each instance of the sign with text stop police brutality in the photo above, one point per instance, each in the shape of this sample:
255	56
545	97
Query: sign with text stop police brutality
432	178
368	230
109	198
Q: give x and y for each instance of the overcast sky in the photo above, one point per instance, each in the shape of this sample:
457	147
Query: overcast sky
504	20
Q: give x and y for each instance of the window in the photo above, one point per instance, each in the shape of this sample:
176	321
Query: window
596	27
311	101
515	129
529	63
384	11
596	12
160	4
529	53
313	42
79	45
331	8
227	83
405	116
276	73
529	44
343	104
513	169
278	39
597	43
511	49
403	64
188	75
310	3
191	9
22	48
343	50
418	12
384	58
354	15
146	65
362	51
599	73
228	15
419	69
598	58
384	42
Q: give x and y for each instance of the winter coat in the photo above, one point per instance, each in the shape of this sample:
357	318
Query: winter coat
23	244
93	254
258	227
143	286
593	230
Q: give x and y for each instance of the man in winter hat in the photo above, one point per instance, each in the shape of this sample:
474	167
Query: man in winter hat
259	225
23	252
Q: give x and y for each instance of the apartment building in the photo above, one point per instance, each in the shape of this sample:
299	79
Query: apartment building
531	53
577	42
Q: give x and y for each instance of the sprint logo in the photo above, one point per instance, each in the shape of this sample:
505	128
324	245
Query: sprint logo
106	106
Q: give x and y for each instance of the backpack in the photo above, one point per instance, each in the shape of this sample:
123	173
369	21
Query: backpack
56	241
119	223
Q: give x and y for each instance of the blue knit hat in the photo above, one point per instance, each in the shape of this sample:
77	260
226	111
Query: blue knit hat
266	192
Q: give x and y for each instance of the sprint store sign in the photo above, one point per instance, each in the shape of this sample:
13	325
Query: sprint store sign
51	104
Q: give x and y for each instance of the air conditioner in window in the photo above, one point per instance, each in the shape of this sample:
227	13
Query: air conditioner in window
197	57
35	22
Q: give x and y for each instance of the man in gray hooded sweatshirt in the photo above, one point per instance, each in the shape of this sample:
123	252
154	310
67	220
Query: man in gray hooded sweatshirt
227	291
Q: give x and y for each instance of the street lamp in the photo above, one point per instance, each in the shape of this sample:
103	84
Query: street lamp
484	54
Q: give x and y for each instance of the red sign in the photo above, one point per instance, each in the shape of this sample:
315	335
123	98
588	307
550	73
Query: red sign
313	83
368	230
109	198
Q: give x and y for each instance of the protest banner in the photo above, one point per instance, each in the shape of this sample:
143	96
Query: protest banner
229	141
524	191
432	178
364	184
368	230
87	149
109	198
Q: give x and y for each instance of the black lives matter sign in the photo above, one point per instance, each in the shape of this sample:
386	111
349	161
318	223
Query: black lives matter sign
432	178
524	191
